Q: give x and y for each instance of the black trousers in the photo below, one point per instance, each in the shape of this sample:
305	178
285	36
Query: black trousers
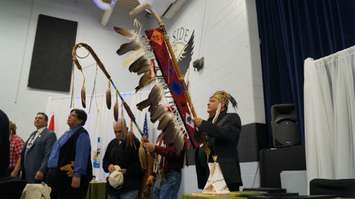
233	186
61	186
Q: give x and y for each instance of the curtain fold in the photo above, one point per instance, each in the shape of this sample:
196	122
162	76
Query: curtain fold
329	105
290	31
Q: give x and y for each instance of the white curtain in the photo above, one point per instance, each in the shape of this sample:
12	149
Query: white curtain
329	110
100	120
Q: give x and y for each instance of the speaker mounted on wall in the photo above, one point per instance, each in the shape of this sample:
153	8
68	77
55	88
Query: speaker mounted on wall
51	64
284	125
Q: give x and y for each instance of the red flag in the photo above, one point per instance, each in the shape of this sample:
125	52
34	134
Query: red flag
51	123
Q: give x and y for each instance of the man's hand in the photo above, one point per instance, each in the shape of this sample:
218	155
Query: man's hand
17	168
68	168
75	182
14	174
149	147
39	175
198	121
111	168
150	180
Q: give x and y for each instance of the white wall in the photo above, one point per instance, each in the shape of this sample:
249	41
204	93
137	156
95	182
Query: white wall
226	35
18	21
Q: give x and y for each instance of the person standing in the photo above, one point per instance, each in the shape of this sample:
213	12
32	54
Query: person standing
16	146
167	168
36	150
221	134
122	151
69	164
4	144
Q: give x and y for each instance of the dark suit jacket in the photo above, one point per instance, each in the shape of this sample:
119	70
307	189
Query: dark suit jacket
37	156
223	138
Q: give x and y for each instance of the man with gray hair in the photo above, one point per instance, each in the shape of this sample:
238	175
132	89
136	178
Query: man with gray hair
122	153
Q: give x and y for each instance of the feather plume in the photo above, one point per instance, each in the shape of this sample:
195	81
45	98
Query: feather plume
179	142
124	32
139	63
165	120
143	68
108	96
140	8
157	112
146	79
126	47
115	109
83	95
143	104
142	157
233	102
170	133
130	137
155	95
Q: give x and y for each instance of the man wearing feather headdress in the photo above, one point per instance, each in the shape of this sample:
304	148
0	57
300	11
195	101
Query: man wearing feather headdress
220	133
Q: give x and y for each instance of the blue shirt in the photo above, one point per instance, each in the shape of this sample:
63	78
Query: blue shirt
82	151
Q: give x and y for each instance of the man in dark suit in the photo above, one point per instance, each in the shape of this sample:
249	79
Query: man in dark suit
36	150
220	133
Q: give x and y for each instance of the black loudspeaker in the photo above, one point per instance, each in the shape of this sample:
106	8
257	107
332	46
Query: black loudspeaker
253	137
273	161
284	125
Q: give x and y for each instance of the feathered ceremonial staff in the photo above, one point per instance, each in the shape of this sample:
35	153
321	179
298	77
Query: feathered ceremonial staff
163	51
147	6
158	112
108	94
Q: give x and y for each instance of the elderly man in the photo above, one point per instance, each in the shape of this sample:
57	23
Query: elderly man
36	150
221	134
122	151
70	169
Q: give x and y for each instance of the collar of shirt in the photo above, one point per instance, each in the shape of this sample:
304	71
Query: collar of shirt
40	130
75	127
64	138
72	130
120	141
34	137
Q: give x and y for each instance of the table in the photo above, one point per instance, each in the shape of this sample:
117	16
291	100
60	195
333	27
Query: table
237	195
231	195
96	190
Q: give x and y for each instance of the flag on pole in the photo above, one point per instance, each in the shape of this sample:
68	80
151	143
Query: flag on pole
145	127
51	126
171	77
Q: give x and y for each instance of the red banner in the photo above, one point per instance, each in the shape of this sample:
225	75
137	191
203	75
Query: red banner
176	87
